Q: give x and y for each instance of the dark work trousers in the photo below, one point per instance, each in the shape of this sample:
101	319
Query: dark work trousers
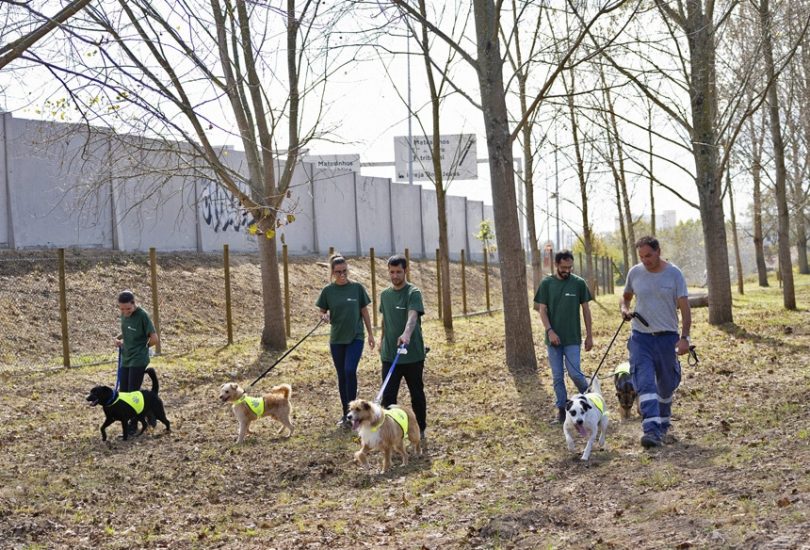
131	378
412	373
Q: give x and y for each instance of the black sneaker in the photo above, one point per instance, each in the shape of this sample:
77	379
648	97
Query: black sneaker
343	423
648	441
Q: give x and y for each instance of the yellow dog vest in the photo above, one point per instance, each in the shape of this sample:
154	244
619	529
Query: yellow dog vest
623	368
596	399
256	404
400	417
132	398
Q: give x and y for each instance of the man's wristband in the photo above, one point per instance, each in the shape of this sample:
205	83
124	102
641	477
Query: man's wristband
549	329
688	341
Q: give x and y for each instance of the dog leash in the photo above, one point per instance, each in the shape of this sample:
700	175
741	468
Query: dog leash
634	314
400	351
117	378
286	353
692	360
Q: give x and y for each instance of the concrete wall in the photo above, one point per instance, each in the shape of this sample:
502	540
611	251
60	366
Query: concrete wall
61	188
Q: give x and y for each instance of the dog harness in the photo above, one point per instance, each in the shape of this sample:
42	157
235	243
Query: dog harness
400	417
623	368
256	404
132	398
596	399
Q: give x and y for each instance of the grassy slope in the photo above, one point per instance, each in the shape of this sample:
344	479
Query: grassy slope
496	473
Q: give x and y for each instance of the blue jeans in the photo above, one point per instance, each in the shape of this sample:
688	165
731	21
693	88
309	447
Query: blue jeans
656	374
556	355
346	358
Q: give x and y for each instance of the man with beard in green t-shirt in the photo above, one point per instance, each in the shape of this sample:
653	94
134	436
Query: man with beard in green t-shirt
402	309
558	301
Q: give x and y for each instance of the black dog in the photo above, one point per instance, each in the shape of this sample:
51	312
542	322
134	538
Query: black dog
625	392
116	409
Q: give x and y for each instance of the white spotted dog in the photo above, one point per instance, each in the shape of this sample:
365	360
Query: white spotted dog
586	415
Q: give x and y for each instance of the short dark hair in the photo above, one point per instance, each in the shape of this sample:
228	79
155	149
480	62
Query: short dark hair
648	240
126	297
563	255
398	259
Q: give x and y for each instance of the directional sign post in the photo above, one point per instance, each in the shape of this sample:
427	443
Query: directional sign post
458	157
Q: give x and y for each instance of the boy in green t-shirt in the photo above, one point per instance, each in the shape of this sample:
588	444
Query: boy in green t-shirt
558	301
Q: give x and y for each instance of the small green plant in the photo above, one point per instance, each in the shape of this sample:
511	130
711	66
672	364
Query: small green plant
486	234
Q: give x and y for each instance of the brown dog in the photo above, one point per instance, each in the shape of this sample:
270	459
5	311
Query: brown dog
383	429
275	404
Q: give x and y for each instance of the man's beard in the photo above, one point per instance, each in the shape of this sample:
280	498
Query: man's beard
563	274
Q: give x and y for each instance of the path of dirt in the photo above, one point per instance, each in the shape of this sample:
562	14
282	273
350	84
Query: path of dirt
496	474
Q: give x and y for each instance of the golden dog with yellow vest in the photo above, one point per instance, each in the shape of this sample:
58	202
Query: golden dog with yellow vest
386	430
246	409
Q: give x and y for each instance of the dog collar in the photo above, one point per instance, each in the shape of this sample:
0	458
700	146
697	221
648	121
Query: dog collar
623	368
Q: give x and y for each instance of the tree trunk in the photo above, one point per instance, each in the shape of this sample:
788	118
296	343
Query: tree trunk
587	239
652	179
785	262
438	180
528	181
756	176
518	338
699	29
734	234
628	215
273	332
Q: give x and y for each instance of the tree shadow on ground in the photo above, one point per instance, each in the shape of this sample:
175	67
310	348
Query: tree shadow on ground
532	399
744	334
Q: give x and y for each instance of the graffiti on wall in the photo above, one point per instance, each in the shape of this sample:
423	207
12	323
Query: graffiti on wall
222	211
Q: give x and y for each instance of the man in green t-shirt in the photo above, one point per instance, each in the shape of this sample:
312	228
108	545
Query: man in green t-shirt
402	309
558	301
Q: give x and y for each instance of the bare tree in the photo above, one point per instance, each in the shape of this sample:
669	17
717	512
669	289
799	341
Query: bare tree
696	25
780	182
488	64
30	16
190	70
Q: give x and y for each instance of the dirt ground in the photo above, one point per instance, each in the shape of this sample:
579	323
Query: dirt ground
496	474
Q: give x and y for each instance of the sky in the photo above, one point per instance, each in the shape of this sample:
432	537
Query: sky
366	105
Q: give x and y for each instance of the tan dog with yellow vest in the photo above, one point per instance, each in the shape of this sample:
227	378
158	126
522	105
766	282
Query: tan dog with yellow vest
383	429
275	404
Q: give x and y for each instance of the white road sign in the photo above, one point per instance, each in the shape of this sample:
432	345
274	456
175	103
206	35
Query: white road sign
457	152
335	163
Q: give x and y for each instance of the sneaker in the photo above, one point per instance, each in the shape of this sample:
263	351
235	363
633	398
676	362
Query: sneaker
343	423
669	439
560	416
649	441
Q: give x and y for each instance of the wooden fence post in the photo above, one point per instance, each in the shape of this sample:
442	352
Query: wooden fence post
226	259
486	277
373	287
63	309
155	310
286	270
439	282
596	275
463	283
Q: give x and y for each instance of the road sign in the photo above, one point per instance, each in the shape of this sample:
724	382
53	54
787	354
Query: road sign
457	153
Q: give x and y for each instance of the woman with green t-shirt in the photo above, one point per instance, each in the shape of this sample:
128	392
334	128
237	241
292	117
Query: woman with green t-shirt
344	304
